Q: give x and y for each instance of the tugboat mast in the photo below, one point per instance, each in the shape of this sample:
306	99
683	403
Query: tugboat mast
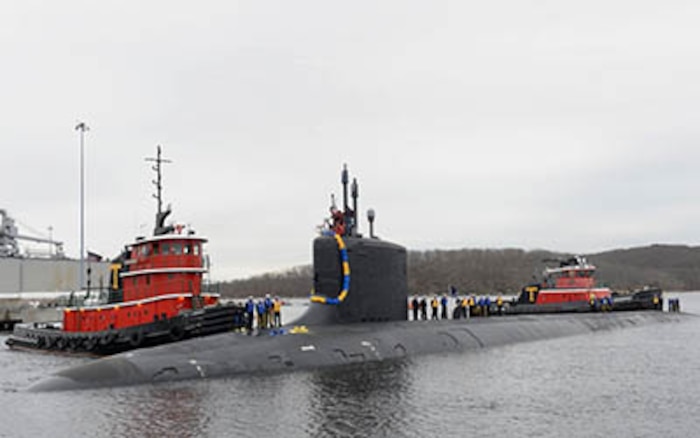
159	178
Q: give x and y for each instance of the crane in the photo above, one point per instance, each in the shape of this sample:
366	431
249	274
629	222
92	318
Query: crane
9	236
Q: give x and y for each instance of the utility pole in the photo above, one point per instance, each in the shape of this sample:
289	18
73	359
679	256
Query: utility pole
51	254
82	128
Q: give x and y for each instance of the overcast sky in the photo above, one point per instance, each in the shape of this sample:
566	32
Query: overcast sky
562	125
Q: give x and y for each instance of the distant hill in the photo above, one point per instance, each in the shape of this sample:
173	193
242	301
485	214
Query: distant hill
672	267
480	271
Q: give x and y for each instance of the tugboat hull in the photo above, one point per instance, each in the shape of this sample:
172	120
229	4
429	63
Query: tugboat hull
50	338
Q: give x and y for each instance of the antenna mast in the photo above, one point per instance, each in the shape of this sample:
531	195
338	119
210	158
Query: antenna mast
158	182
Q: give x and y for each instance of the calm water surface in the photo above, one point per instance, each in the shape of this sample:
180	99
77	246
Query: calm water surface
640	382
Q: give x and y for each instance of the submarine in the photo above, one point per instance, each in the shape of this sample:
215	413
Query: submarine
357	314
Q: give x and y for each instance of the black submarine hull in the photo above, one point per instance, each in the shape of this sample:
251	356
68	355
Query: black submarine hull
235	354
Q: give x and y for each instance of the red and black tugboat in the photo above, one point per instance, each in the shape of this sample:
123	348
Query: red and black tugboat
155	297
569	287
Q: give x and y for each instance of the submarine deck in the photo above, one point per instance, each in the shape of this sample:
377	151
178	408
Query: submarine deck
231	354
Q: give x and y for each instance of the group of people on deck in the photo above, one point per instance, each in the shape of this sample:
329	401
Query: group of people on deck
465	307
268	311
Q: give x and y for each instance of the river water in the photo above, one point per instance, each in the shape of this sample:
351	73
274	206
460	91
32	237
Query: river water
638	382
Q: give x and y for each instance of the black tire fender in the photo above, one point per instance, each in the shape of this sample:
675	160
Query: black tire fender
91	343
108	338
136	338
50	342
177	332
74	343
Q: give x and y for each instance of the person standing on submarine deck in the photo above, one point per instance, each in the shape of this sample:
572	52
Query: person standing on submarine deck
277	311
414	307
250	313
268	311
260	307
434	307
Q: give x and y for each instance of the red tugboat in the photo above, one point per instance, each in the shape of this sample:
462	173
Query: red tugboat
155	297
569	287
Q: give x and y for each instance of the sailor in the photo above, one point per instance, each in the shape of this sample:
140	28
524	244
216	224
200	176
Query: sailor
434	306
676	305
414	307
423	309
487	305
465	307
469	305
262	312
443	303
499	304
250	313
268	309
277	310
592	301
457	312
338	221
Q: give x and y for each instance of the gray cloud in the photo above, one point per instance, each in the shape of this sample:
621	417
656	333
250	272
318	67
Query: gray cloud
560	125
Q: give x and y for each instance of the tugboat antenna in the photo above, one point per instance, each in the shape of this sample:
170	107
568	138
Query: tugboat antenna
159	178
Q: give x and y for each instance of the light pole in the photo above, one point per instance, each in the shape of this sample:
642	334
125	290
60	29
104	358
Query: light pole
51	239
82	127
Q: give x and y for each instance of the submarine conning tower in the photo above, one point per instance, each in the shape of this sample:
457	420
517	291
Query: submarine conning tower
356	278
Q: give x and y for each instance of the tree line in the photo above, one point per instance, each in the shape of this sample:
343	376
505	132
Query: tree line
503	271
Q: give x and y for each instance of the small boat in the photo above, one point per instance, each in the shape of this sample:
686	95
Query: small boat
568	287
155	297
571	287
646	298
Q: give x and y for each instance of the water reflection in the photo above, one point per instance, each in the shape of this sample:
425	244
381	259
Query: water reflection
360	400
635	382
154	411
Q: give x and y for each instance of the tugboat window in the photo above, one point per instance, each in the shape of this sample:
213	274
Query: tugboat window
196	249
187	249
166	248
177	248
155	249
